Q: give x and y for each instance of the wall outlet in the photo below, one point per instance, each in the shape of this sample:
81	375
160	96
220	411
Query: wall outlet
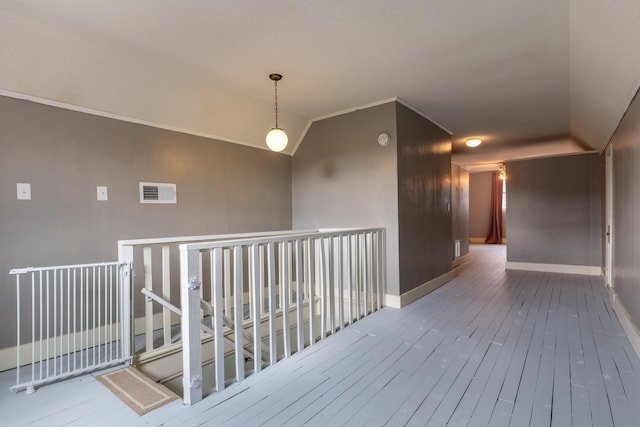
24	190
102	193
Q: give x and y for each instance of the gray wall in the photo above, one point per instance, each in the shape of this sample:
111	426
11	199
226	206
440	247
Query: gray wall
626	211
555	210
221	188
424	199
479	204
460	207
343	178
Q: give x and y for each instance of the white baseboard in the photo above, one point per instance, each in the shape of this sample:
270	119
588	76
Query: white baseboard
585	270
415	294
457	262
140	323
482	239
8	356
625	320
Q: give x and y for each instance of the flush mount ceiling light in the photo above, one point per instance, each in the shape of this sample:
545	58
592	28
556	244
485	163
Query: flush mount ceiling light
276	138
473	143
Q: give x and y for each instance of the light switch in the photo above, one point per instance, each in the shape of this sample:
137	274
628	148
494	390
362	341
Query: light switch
102	193
24	190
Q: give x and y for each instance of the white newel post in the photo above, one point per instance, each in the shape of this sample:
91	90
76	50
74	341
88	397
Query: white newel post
190	283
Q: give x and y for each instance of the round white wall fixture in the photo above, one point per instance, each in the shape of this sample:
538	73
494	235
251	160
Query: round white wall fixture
384	139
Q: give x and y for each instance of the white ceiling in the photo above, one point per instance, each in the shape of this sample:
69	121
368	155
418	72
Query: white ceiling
528	77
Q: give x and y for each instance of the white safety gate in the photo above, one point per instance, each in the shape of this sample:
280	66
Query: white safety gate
71	320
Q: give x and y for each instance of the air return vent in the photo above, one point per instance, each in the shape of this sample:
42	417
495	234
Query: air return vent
154	192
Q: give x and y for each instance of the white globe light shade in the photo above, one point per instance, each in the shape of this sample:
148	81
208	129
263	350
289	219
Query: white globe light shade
277	139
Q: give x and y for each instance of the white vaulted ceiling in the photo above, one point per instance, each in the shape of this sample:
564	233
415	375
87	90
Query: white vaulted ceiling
520	74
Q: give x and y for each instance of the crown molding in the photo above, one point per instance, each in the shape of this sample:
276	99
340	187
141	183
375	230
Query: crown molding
364	107
423	114
336	114
108	115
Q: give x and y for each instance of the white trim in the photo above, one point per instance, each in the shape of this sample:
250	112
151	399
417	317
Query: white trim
302	135
609	217
550	156
625	320
585	270
115	116
465	167
336	114
457	262
392	301
8	354
483	239
214	237
631	96
364	107
353	109
415	294
418	111
139	324
106	114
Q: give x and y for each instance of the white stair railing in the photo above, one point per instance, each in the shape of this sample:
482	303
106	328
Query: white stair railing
204	327
156	267
71	320
305	286
272	293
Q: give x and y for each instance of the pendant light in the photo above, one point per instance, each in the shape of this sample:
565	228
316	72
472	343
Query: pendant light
276	138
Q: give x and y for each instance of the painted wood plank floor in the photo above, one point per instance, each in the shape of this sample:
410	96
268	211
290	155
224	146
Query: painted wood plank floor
491	348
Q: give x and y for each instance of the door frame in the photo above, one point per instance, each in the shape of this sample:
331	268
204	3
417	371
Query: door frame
608	224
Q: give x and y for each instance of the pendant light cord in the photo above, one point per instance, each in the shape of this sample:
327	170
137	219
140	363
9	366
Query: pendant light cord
276	91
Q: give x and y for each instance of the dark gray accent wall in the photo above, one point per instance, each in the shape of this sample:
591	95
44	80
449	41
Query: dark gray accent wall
555	210
626	211
460	207
424	199
479	204
343	178
222	188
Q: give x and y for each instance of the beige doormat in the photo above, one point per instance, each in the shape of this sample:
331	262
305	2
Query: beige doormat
139	392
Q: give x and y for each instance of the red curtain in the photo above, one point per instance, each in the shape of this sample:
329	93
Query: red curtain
495	228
